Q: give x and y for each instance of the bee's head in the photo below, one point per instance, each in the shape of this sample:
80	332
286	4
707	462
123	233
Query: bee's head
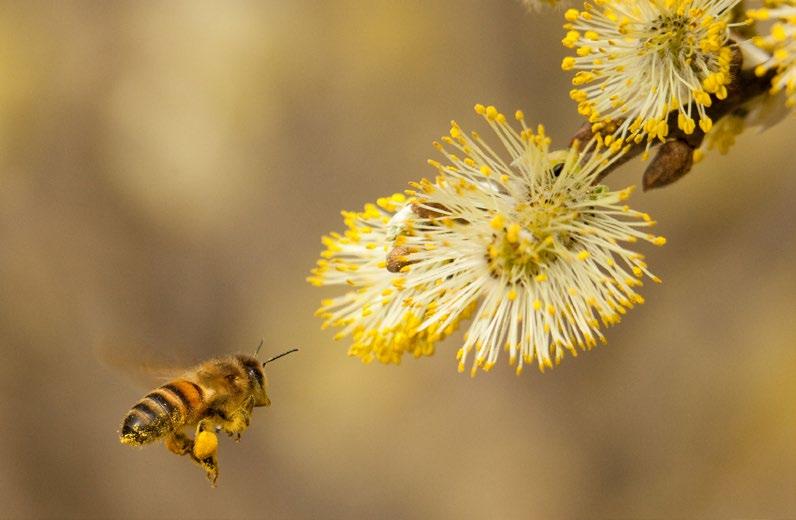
255	372
258	383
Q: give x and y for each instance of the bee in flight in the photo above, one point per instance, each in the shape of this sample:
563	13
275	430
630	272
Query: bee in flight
219	394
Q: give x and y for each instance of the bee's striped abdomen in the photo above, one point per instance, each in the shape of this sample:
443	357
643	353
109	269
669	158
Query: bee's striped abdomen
161	411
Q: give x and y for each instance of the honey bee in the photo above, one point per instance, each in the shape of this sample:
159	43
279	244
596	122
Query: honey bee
219	394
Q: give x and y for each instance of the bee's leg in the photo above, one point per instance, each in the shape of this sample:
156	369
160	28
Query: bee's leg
205	449
179	443
237	422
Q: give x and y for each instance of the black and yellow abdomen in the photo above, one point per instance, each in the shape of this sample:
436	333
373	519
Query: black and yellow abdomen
163	410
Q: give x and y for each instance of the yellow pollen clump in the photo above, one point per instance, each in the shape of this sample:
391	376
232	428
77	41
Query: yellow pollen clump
497	222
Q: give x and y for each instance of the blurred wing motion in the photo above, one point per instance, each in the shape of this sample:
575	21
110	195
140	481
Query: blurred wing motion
145	367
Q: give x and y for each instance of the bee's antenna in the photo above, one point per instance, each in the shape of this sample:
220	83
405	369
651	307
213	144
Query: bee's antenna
259	347
280	355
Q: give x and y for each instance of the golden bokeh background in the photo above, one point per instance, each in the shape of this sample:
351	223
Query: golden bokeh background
167	171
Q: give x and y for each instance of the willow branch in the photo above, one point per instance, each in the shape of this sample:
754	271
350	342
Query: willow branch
674	156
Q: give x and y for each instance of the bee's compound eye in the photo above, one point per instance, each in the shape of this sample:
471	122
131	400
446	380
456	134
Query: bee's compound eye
557	169
255	376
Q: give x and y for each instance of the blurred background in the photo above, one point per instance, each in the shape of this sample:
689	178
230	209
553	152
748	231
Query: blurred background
166	172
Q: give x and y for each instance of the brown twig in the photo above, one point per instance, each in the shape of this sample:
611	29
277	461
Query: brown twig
675	155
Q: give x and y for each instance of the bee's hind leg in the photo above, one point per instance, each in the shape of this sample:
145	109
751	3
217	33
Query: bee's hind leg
205	449
179	443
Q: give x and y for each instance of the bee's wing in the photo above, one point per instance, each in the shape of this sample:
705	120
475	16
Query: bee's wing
143	366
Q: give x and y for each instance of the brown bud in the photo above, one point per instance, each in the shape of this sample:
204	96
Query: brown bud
673	160
582	135
735	88
396	259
